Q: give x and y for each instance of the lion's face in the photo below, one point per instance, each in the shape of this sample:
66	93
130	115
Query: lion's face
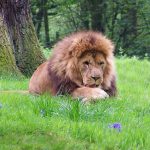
91	66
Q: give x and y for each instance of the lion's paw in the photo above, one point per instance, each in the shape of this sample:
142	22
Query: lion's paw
99	94
96	94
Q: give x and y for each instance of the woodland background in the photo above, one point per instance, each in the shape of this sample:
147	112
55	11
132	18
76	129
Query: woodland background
28	31
126	22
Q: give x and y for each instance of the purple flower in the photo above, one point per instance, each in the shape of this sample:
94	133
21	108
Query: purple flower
116	126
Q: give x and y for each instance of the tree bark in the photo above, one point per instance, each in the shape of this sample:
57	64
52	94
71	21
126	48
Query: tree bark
128	24
7	59
84	17
39	18
46	25
22	34
97	11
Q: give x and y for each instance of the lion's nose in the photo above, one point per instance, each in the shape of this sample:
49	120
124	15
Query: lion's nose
95	78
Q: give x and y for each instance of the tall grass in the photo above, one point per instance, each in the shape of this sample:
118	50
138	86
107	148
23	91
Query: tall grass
46	122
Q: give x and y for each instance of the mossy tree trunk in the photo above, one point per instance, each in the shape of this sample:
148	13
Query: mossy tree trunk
7	59
22	35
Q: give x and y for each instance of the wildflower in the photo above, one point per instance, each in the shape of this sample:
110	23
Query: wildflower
116	126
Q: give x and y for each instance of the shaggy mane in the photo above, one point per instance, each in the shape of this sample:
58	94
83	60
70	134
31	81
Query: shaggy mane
62	65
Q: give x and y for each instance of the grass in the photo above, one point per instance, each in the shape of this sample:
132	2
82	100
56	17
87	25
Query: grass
44	123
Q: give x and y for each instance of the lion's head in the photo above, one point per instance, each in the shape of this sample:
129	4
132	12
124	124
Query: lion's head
86	59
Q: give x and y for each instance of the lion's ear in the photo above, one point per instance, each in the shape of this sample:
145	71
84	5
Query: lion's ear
76	48
75	53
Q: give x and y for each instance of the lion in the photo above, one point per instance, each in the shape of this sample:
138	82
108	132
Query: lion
82	65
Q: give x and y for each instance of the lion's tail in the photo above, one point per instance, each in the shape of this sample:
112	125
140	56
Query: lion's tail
14	91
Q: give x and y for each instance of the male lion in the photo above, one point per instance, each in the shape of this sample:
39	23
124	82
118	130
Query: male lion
82	65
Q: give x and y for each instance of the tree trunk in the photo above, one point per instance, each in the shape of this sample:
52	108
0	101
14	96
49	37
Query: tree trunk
39	17
84	17
46	24
7	60
22	35
131	24
97	11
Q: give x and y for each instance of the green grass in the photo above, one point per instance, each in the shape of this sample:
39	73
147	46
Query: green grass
44	123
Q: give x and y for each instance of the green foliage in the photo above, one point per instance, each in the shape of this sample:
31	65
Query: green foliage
46	52
125	22
46	122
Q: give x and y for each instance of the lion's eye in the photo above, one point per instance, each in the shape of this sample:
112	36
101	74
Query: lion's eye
86	63
101	63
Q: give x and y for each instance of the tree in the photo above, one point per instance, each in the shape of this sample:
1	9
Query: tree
93	14
46	23
84	17
97	11
41	10
129	23
21	35
125	22
7	59
37	16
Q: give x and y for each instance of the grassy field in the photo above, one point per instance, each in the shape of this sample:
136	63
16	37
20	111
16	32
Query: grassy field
58	123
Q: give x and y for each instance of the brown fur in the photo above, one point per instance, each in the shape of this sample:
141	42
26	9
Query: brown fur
61	73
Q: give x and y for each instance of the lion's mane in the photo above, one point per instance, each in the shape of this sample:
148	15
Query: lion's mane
62	67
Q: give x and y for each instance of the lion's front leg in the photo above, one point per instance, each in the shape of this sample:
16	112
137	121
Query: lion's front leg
89	94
